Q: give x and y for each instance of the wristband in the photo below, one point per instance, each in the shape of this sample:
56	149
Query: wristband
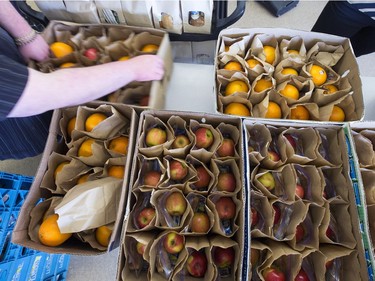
28	38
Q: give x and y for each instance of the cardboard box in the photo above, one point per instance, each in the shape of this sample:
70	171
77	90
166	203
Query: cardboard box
57	145
338	152
332	52
174	121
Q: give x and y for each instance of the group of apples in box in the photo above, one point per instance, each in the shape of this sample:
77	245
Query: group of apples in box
186	192
299	201
94	148
82	46
269	77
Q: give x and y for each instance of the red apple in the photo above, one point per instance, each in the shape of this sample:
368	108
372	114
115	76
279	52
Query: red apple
155	136
273	156
196	264
267	180
140	248
175	204
178	170
254	256
300	191
301	276
329	264
204	178
144	100
227	148
291	140
273	274
300	232
200	223
145	217
180	141
223	257
330	234
204	137
277	215
254	217
91	54
225	208
226	182
152	178
173	242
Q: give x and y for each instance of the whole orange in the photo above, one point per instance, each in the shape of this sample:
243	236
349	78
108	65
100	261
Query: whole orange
270	53
103	234
273	111
85	150
262	85
318	74
124	58
59	168
60	49
67	65
236	86
84	178
71	126
150	48
116	171
290	91
299	112
330	89
119	145
233	65
236	108
93	120
337	115
253	63
293	52
49	232
289	71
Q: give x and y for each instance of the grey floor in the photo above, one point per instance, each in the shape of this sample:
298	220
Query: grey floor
302	17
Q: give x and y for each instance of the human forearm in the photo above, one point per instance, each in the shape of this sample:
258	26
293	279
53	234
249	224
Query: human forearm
12	21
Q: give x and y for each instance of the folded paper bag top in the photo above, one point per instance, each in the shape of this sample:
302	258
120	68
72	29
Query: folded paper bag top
89	205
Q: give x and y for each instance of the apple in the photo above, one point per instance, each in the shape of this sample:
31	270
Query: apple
156	136
226	182
173	242
200	223
204	178
91	54
330	234
300	191
140	248
301	276
329	264
152	178
273	274
300	232
227	148
254	256
180	141
204	137
273	156
254	217
223	257
196	264
145	217
178	170
225	208
175	204
291	140
144	100
277	215
267	180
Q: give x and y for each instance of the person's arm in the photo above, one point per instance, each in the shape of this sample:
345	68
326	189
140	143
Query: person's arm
73	86
31	44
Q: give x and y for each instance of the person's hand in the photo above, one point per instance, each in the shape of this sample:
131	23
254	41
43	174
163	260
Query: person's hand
37	50
147	67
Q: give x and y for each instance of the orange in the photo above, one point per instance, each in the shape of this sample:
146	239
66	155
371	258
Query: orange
226	48
59	168
330	89
262	84
102	235
299	113
273	111
83	178
337	114
253	63
60	49
319	75
236	86
116	171
290	91
85	150
93	120
119	144
71	126
236	108
49	232
67	64
123	58
289	71
270	53
150	48
233	65
293	52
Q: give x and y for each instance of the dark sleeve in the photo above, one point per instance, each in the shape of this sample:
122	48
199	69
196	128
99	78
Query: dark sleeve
13	79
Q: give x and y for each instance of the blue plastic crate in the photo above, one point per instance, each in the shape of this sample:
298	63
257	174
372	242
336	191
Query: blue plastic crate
19	269
4	217
62	263
7	198
25	252
9	181
36	267
62	276
9	251
4	271
50	267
